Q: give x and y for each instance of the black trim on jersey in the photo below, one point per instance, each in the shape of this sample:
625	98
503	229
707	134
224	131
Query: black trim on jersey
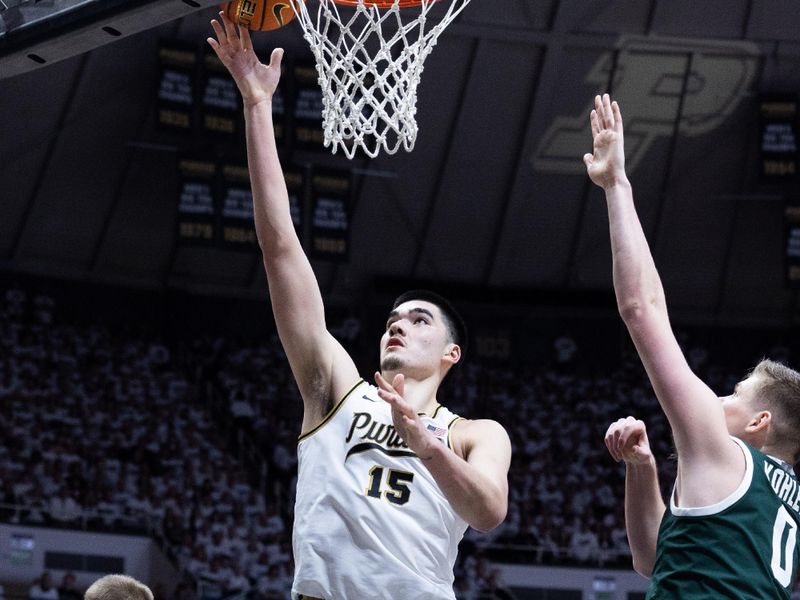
449	426
364	447
331	413
436	412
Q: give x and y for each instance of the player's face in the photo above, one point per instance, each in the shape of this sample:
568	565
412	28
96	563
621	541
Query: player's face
415	339
738	406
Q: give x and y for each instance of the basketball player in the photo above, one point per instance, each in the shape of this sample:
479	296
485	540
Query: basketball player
388	478
118	587
731	527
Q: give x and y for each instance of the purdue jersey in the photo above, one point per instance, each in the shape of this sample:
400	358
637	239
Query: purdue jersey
370	521
745	547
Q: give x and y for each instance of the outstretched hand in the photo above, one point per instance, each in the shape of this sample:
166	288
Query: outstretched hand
255	80
606	166
626	440
406	421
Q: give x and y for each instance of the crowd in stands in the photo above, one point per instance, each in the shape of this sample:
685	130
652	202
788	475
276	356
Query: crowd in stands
113	430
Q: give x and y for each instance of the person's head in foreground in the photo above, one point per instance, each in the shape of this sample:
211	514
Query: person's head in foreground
764	409
118	587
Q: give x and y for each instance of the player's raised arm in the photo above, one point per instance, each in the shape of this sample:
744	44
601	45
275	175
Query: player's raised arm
626	440
693	410
322	368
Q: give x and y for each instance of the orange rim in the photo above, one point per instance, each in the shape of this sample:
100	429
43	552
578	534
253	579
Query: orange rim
381	3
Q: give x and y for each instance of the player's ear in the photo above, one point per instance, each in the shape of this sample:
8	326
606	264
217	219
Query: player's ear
759	421
452	353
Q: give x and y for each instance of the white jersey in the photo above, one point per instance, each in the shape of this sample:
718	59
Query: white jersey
370	521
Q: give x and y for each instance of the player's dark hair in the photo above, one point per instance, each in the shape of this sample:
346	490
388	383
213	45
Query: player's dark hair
456	328
780	392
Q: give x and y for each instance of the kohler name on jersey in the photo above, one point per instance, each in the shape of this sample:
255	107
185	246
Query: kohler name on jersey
784	485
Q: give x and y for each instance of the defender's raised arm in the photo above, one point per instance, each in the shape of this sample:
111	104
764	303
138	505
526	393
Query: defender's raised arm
693	410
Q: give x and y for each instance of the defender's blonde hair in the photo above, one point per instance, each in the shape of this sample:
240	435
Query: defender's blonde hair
118	587
780	392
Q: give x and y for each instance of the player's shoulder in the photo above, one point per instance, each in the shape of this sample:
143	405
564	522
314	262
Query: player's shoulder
479	430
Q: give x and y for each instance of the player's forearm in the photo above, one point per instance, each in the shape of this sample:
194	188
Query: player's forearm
293	289
644	510
636	281
474	496
273	221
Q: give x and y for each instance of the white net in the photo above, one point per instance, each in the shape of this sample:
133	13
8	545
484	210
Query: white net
369	62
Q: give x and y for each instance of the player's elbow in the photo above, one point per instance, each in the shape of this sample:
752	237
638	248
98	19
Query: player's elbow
643	567
632	309
639	311
490	518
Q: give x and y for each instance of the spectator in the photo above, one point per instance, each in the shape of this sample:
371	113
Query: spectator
67	590
42	589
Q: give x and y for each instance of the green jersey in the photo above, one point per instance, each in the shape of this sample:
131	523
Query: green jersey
745	547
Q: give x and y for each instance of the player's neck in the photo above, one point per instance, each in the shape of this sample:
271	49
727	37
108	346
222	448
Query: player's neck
780	454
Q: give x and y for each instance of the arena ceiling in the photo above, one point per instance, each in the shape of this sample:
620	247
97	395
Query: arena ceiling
494	195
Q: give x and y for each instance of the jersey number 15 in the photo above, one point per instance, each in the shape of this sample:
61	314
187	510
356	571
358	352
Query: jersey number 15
398	492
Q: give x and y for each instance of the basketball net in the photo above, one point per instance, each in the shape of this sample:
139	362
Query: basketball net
369	62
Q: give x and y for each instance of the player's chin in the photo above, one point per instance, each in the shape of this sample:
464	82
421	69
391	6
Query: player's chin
391	363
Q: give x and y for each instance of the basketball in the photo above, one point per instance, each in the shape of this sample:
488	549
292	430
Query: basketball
259	15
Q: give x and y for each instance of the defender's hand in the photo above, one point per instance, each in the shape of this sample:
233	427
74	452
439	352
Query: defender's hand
406	421
626	440
255	80
606	166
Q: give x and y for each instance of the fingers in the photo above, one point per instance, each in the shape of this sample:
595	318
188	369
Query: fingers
607	114
588	159
276	58
382	383
625	437
398	383
598	111
398	404
595	121
244	36
617	115
612	442
230	31
218	30
392	395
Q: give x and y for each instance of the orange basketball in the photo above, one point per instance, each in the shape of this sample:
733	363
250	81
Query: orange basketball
259	15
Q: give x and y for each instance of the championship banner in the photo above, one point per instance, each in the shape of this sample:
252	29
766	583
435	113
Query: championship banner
307	107
238	228
295	185
792	257
176	86
196	214
330	215
219	101
778	129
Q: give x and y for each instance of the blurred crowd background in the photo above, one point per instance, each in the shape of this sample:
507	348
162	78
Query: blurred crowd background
190	438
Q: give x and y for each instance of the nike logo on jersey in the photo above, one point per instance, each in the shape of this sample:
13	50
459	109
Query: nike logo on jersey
365	397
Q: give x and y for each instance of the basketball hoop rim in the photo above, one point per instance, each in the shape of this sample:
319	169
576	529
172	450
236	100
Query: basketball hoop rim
382	4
